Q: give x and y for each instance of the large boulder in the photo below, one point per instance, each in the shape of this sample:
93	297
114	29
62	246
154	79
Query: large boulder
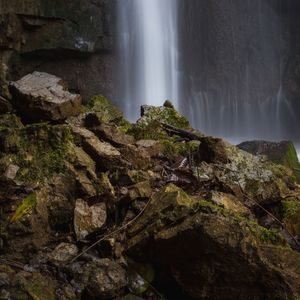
279	152
43	97
283	153
100	278
243	173
211	251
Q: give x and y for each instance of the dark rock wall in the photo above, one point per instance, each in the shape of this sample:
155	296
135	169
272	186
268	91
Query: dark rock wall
238	54
70	39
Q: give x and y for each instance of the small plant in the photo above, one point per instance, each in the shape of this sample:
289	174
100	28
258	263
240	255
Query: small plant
27	205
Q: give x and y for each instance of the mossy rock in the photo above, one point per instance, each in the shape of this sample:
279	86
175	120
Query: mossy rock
162	114
107	112
9	121
40	287
39	150
291	217
283	153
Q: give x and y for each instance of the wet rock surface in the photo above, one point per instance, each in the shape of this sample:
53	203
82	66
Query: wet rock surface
98	208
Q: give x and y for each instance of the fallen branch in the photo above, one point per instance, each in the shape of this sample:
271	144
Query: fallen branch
181	132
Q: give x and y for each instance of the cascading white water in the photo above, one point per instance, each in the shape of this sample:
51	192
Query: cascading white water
148	46
233	57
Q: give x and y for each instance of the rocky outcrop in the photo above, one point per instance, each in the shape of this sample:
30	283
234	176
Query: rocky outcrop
43	97
210	251
283	153
97	208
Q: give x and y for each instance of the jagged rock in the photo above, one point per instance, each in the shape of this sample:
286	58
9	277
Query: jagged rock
230	202
138	158
83	161
240	171
162	114
88	219
152	147
41	96
103	279
278	152
84	183
63	253
104	154
125	177
212	252
113	135
139	190
105	111
11	171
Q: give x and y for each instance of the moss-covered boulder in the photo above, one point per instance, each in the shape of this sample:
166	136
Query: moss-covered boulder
212	252
162	114
106	111
244	173
283	153
39	150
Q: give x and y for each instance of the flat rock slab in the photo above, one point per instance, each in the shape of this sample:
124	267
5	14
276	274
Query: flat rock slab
44	97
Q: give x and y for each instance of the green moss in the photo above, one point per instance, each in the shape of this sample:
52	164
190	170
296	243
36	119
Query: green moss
27	205
39	150
291	207
268	236
164	115
152	131
206	207
271	236
40	288
105	109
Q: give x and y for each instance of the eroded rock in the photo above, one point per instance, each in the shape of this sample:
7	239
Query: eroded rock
88	219
212	252
63	253
102	278
43	97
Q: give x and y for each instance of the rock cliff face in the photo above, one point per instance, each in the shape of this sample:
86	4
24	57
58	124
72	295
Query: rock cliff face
64	38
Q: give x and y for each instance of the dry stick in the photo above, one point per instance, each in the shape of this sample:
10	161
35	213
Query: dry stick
112	233
261	207
12	263
181	132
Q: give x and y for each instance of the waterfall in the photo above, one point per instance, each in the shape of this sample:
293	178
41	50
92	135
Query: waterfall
148	46
221	62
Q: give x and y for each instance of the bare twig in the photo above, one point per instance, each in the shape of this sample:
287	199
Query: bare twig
181	132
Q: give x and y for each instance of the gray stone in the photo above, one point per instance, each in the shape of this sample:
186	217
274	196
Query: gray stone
88	219
43	97
105	278
63	253
11	171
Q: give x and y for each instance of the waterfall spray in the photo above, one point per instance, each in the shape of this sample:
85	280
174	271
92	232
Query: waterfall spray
148	46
